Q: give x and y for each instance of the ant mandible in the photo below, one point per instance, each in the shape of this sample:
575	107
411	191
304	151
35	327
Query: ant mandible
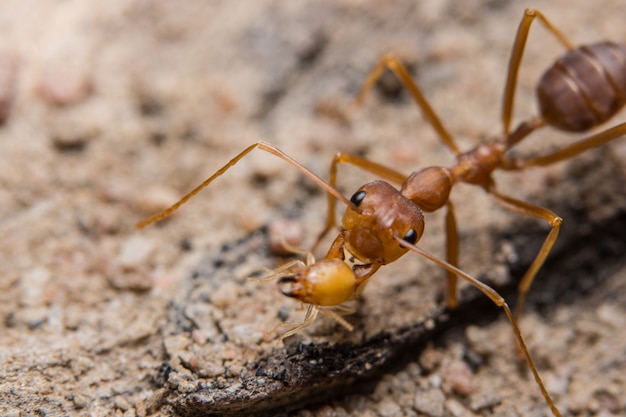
584	88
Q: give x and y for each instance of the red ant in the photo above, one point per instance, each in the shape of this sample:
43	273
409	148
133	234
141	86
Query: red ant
582	89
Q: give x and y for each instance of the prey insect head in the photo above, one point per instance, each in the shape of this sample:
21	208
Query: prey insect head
328	282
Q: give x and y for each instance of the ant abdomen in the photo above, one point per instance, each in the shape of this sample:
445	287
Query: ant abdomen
585	87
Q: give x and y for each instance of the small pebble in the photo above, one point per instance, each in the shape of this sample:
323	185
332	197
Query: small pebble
139	281
121	403
457	409
484	400
202	367
460	378
246	334
479	340
389	408
33	285
430	402
64	85
135	252
333	111
283	231
80	401
225	295
607	401
175	344
430	358
325	411
73	131
612	315
154	199
101	220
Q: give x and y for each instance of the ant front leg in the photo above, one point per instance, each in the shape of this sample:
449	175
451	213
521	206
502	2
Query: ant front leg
395	65
264	146
516	58
553	220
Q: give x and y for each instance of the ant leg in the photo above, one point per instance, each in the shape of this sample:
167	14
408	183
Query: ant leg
343	309
335	315
553	220
395	65
452	245
516	58
264	146
309	318
571	150
311	315
365	164
500	302
276	273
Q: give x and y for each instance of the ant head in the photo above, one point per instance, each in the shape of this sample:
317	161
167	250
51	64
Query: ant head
328	282
382	215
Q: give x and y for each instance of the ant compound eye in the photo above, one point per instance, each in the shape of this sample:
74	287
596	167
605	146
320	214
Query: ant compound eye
358	197
410	236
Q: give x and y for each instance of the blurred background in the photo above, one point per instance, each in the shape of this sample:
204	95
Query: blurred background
112	110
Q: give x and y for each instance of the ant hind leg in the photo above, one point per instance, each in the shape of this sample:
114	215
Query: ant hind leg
395	65
553	220
571	150
516	58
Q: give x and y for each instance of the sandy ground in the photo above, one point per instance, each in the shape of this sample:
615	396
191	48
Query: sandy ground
112	110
